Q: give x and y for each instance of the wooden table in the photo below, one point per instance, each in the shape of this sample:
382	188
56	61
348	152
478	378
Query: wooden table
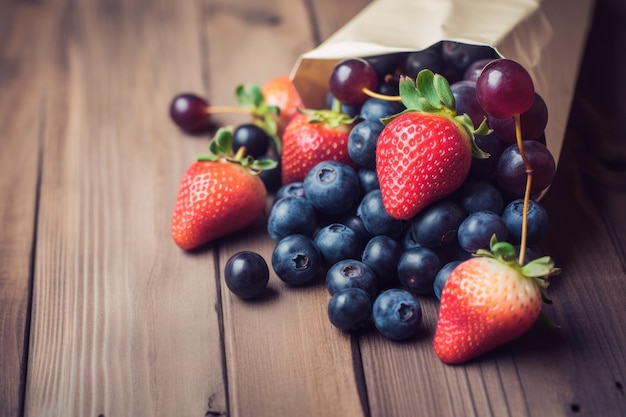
101	315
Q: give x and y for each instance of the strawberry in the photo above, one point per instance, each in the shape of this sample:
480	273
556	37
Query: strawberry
424	153
488	301
313	136
281	93
219	194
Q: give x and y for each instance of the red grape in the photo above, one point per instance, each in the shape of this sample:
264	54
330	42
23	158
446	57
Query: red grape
511	170
349	78
505	89
533	123
189	112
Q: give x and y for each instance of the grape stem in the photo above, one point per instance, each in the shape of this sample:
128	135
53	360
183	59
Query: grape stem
529	181
228	109
374	94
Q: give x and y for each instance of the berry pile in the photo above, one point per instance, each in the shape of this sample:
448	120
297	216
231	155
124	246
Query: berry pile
423	173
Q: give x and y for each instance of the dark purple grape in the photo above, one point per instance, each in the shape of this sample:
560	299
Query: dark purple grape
246	274
384	64
533	122
461	55
349	78
511	171
255	140
473	71
466	102
486	168
188	111
504	89
429	58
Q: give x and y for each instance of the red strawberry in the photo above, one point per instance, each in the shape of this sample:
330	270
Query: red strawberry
281	92
219	194
488	301
424	153
313	136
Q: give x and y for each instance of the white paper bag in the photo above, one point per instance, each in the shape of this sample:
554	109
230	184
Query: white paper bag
546	36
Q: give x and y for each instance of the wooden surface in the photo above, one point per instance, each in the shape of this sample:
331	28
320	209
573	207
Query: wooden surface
100	313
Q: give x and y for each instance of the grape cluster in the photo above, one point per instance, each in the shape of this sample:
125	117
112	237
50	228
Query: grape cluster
334	225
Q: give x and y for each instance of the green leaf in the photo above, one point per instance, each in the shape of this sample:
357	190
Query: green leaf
265	164
408	92
426	89
224	141
443	91
540	267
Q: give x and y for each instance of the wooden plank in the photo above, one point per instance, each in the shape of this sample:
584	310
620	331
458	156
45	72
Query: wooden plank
283	356
124	323
22	96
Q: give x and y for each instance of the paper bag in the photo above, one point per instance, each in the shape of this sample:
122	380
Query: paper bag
546	36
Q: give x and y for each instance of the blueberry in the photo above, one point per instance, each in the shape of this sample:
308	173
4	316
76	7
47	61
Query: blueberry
351	110
349	309
296	260
294	189
478	195
477	229
397	314
442	277
332	187
355	223
368	179
253	138
291	215
408	240
246	274
537	221
271	177
375	218
375	109
485	168
382	253
417	268
351	273
336	242
437	224
362	142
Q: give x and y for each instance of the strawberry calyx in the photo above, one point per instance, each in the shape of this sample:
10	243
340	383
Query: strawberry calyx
221	150
250	97
431	93
539	270
331	117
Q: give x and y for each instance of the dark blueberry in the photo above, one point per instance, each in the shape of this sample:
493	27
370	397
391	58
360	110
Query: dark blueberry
294	189
382	253
349	309
397	314
408	240
351	110
464	93
362	143
442	277
485	168
368	179
429	58
537	224
355	223
417	268
437	224
255	140
336	242
384	65
296	260
291	215
477	229
478	195
461	55
246	274
375	109
389	88
351	273
271	177
375	218
332	187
